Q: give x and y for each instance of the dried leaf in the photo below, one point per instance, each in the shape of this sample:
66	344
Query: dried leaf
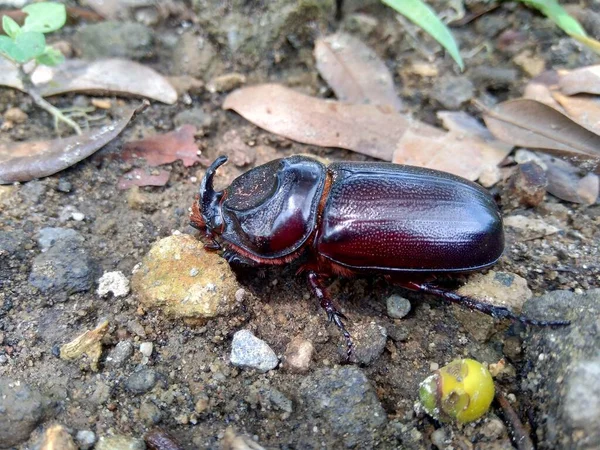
165	148
541	87
355	72
492	150
583	109
566	183
140	177
584	80
442	151
102	77
87	344
368	129
528	123
24	161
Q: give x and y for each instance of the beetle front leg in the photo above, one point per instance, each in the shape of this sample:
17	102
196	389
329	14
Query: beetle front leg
498	312
335	316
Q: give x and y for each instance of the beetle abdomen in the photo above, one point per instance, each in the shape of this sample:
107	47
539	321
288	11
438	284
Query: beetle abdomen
400	218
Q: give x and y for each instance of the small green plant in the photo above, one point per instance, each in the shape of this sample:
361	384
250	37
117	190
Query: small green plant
23	44
418	12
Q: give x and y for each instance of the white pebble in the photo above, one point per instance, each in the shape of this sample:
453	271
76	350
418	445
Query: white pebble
146	348
114	282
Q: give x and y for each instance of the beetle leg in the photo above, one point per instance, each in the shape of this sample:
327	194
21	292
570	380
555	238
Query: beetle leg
498	312
333	314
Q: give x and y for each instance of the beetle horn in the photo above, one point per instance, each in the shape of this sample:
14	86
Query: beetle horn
209	199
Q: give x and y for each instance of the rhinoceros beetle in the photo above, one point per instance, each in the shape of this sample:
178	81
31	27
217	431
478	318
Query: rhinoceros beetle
349	218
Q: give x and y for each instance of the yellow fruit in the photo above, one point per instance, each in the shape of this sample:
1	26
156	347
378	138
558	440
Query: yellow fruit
462	391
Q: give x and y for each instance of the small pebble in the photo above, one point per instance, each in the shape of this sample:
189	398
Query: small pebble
85	439
77	216
194	271
397	306
113	282
225	83
146	348
141	382
119	355
434	366
298	355
3	359
250	352
15	115
119	442
439	438
64	186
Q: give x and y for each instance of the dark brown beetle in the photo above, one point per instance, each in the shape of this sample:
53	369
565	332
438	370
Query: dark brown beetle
347	219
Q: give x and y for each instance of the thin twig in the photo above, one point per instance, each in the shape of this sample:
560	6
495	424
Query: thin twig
520	435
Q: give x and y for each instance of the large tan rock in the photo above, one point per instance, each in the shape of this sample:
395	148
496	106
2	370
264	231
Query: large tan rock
184	280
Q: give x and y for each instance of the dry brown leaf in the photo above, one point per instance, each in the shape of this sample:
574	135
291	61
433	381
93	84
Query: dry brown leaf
584	80
24	161
566	183
165	148
141	177
355	72
368	129
541	87
449	152
583	109
492	150
102	77
528	123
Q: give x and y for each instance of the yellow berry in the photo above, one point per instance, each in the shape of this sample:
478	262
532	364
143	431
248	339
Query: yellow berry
461	391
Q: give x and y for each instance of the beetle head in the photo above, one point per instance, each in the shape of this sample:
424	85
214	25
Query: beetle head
206	211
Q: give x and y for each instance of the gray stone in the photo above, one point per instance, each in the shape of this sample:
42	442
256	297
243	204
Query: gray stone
251	352
194	55
343	400
119	442
64	186
141	382
149	413
451	91
49	236
566	369
397	306
85	439
195	116
114	40
280	400
65	267
21	409
369	341
11	242
119	355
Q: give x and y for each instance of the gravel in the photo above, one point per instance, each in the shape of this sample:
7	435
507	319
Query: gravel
250	352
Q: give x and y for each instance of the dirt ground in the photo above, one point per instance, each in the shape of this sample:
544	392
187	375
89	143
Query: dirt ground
192	361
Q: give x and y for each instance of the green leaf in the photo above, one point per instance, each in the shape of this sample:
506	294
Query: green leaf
50	57
557	14
10	27
421	14
25	47
44	17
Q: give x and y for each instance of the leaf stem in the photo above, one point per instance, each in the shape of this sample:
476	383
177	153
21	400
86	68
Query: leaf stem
30	89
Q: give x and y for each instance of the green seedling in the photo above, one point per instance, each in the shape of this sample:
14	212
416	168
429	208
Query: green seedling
418	12
27	43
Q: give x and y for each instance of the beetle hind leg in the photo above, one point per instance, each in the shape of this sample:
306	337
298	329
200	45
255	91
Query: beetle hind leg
498	312
333	314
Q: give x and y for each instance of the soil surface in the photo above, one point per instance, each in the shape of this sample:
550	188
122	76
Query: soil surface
187	385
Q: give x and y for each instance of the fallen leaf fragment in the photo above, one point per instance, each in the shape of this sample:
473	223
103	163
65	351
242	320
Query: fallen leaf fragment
528	123
355	72
566	182
368	129
442	151
88	344
583	80
541	87
165	148
140	177
101	77
24	161
583	109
